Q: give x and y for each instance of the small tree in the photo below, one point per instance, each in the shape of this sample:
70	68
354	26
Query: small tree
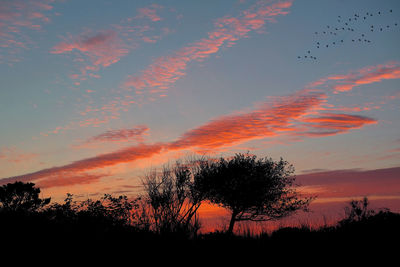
172	199
21	196
252	189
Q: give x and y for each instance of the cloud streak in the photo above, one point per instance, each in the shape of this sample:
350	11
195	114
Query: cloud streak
353	182
119	135
76	168
300	115
266	121
367	75
166	70
331	124
69	179
281	116
13	155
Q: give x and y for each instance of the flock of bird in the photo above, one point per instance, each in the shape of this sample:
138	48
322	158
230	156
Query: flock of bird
348	25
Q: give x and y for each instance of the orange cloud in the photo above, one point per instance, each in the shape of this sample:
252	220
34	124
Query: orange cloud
68	179
269	120
290	114
166	70
109	159
224	131
331	124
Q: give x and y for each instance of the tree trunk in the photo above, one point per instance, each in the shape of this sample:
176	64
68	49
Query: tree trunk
232	222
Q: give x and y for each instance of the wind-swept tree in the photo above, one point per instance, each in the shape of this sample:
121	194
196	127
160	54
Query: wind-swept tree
252	189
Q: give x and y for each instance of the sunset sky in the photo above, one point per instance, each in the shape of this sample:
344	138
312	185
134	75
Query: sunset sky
94	93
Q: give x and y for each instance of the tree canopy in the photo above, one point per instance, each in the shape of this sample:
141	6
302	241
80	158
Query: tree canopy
252	189
21	196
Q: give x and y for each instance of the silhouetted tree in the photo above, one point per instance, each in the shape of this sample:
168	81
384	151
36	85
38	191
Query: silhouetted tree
172	199
357	211
252	189
115	210
68	209
21	197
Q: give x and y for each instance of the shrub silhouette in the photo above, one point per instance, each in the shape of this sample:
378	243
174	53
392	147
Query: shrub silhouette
172	200
358	210
115	211
252	189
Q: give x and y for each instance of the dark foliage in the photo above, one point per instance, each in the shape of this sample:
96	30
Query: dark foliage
171	201
111	227
21	197
252	189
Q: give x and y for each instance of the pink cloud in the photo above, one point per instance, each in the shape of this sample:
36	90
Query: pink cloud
224	131
394	96
281	116
166	70
23	13
353	182
103	49
150	12
14	155
147	39
16	19
367	75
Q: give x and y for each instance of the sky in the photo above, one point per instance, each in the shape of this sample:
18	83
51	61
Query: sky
95	93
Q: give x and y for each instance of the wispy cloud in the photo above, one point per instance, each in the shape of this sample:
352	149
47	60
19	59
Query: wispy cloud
105	47
166	70
301	114
16	18
16	156
121	135
266	121
150	12
281	116
69	179
367	75
352	182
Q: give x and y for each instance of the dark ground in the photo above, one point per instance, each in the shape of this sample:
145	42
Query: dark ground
371	239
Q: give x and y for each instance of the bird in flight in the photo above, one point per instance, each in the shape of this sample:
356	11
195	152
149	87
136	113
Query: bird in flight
354	28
